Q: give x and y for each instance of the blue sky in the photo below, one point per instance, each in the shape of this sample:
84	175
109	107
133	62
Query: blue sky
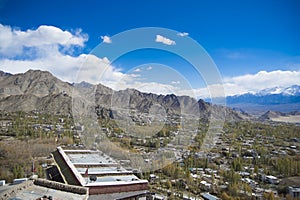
254	44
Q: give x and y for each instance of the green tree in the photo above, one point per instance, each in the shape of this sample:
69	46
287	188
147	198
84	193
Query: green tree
225	196
40	172
233	189
269	196
168	184
18	171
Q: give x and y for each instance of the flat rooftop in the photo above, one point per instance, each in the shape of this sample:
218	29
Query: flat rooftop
106	171
35	192
91	158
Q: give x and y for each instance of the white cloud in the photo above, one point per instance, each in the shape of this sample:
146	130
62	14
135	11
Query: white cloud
97	70
231	85
183	34
175	82
14	41
106	60
46	42
250	83
106	39
140	70
264	79
134	75
164	40
72	69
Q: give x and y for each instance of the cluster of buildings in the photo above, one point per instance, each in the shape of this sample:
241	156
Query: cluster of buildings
92	174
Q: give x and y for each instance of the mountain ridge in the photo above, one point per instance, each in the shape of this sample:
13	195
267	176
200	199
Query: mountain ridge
36	82
280	99
40	90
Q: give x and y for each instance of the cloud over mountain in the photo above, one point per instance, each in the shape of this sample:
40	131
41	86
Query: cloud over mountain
53	49
61	52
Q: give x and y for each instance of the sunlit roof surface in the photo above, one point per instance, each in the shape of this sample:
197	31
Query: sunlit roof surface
105	168
91	158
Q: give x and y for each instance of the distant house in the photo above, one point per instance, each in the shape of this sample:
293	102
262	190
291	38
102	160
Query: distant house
268	179
158	197
208	196
205	185
79	128
271	179
19	180
152	176
294	192
2	182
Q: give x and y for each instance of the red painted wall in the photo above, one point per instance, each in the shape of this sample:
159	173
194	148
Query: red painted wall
117	188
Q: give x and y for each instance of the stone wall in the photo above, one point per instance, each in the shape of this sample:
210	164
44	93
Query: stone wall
61	186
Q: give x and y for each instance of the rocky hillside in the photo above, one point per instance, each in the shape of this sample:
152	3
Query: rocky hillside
33	82
41	91
271	114
292	117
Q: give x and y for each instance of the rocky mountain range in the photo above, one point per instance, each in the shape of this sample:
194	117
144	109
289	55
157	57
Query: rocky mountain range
40	91
276	99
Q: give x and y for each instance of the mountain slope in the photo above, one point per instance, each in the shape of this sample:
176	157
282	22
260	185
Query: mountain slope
41	91
293	117
33	82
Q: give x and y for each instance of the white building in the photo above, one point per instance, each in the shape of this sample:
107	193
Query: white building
272	179
294	192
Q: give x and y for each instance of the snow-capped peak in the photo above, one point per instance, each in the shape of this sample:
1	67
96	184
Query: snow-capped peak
275	90
288	91
293	90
